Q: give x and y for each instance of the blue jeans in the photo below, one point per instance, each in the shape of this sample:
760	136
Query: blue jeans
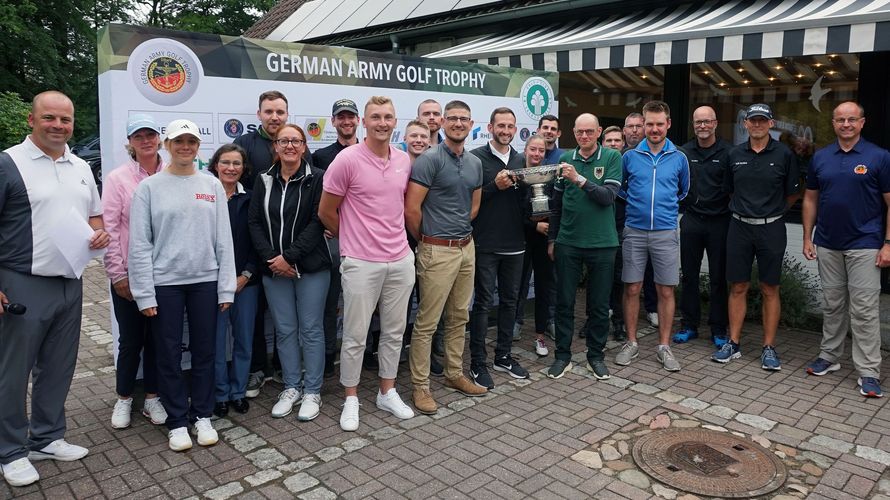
297	307
231	381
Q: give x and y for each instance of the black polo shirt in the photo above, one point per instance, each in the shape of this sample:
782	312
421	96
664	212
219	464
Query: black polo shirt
760	182
323	157
707	169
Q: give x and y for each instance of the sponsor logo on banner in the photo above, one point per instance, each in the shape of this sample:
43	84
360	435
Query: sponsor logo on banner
860	169
537	97
165	71
315	128
233	128
524	134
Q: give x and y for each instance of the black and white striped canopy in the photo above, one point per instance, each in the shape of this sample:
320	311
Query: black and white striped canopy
707	31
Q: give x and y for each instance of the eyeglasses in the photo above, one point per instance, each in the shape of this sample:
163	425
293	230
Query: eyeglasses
455	119
843	121
700	123
294	142
586	131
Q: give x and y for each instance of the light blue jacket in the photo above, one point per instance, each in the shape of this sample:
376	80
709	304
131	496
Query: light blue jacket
653	186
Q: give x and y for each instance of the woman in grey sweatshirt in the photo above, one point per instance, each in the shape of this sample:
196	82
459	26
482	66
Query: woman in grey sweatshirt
181	259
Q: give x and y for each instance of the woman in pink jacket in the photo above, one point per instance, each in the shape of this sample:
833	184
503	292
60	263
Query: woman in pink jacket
143	136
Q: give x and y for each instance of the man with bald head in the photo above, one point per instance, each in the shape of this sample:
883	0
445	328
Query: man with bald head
656	179
847	182
582	232
703	229
42	185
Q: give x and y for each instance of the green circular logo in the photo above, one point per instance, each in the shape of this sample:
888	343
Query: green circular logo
537	97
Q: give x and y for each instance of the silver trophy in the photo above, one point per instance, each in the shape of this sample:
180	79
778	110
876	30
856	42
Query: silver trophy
537	178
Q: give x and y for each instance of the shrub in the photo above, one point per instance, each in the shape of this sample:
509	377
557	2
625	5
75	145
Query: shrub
13	119
797	290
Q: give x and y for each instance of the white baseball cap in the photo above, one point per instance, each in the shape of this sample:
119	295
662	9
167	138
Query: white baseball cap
177	128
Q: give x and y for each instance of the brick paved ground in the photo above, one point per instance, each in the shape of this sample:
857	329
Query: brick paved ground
533	438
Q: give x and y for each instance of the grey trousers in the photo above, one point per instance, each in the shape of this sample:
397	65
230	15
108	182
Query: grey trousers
41	344
851	284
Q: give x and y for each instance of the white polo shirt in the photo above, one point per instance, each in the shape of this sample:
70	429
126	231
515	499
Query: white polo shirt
52	189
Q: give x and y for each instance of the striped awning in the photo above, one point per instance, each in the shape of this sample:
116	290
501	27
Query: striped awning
707	31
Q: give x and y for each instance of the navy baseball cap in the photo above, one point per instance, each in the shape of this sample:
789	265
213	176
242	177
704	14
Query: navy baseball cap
759	110
344	105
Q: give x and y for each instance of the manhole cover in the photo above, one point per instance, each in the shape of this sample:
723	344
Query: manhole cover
711	463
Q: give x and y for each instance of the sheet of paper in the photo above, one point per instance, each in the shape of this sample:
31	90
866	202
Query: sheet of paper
71	236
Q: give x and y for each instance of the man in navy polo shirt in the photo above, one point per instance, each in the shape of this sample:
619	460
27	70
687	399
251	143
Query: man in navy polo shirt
762	177
846	184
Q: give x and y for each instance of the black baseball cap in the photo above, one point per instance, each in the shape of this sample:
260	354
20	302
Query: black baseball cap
344	105
759	110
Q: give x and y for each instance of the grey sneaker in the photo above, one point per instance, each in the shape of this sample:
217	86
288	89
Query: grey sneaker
599	369
629	351
668	361
517	331
255	382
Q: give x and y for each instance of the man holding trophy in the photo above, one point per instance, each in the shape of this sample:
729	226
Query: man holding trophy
582	232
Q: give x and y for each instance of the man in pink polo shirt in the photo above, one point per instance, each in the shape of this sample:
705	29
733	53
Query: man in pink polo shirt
366	182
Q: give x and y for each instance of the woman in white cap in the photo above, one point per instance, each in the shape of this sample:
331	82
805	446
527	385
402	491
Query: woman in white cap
182	260
134	333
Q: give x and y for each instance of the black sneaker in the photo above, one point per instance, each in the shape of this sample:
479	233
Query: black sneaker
619	332
481	377
436	368
599	369
559	368
509	365
438	344
220	410
370	362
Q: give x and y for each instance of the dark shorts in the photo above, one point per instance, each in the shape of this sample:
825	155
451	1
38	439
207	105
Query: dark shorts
745	241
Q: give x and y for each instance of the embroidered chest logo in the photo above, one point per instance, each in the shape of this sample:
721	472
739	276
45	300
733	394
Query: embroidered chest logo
206	197
599	172
860	169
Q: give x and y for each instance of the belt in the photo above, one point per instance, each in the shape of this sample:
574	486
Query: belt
757	221
446	243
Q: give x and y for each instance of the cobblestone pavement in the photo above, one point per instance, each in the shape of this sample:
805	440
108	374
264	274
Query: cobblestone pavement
543	438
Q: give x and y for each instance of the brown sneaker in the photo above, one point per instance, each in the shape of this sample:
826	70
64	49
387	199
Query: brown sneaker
424	401
463	385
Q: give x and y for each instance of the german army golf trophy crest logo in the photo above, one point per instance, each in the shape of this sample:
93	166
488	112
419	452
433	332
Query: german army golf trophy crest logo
165	71
537	97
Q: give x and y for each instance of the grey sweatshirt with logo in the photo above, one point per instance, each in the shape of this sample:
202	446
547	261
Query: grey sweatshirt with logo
180	234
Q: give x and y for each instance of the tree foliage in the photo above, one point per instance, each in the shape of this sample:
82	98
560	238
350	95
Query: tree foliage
51	44
13	119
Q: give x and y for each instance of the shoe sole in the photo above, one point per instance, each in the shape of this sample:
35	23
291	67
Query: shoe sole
394	413
468	394
509	372
559	375
182	448
544	355
870	394
148	416
36	456
832	368
119	426
202	443
596	376
727	360
426	412
771	368
670	369
683	340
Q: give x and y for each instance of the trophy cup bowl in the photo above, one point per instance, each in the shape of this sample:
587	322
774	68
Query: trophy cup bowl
537	178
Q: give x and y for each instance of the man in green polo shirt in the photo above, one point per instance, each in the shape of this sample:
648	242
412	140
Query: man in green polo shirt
582	232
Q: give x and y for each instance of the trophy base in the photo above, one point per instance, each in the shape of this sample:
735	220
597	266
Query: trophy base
541	214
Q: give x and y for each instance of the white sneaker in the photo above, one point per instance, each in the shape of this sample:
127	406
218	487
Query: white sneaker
178	439
120	416
310	407
541	348
154	410
60	450
19	472
349	417
286	401
653	319
392	403
207	435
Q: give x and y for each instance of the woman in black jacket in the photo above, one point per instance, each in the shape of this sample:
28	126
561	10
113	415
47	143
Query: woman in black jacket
229	164
289	239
